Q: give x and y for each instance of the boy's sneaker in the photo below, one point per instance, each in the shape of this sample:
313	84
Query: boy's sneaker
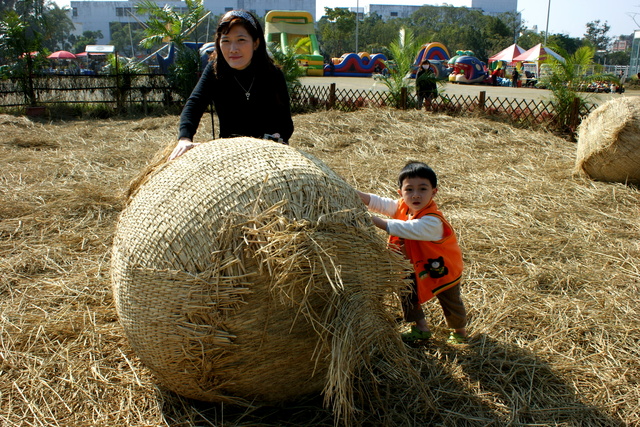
456	338
416	334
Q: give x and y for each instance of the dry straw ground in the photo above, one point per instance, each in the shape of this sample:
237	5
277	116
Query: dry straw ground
552	280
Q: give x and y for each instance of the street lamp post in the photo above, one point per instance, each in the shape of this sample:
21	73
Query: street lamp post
546	32
357	19
516	25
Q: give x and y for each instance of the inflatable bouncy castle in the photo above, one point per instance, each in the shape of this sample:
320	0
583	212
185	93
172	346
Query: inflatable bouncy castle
467	68
439	67
294	30
438	57
164	62
356	65
432	51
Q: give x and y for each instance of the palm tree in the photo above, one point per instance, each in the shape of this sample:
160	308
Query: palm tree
288	62
568	81
403	52
168	26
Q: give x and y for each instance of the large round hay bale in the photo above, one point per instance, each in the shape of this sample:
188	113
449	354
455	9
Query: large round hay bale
246	270
609	142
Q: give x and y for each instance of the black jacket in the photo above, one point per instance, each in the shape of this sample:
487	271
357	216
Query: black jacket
266	111
426	82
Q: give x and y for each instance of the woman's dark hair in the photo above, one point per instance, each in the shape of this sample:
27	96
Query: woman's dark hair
417	170
260	59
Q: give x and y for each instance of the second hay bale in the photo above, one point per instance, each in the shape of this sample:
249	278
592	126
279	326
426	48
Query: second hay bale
609	142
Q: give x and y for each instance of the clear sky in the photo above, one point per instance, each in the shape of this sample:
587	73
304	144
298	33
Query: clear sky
566	16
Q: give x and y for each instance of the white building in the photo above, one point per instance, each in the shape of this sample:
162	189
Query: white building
96	15
495	7
488	7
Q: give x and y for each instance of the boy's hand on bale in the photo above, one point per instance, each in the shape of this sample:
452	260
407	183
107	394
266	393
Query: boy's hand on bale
365	197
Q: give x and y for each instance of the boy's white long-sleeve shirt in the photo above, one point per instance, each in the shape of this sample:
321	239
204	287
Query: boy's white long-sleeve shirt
428	227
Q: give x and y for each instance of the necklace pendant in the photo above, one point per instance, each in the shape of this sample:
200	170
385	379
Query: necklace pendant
247	92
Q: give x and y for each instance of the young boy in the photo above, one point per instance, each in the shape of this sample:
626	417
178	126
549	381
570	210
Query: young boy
419	230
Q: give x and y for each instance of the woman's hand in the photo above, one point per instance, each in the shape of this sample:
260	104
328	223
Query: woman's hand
182	147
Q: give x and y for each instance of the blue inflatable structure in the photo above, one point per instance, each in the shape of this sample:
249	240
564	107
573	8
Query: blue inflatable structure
356	65
165	61
468	69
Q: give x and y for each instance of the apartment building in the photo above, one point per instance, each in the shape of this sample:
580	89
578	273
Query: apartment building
495	7
620	46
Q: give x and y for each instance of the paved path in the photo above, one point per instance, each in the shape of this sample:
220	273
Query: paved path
368	83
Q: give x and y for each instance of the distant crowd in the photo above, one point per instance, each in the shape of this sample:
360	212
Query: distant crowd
68	67
603	87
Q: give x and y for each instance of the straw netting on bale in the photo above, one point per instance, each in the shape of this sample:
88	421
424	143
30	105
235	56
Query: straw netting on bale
247	271
551	281
609	142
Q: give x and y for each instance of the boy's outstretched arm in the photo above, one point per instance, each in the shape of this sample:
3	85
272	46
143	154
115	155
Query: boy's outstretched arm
377	221
381	223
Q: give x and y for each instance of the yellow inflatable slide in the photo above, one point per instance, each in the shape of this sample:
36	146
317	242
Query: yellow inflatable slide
294	31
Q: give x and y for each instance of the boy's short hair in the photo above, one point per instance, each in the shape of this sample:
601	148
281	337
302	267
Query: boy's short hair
417	170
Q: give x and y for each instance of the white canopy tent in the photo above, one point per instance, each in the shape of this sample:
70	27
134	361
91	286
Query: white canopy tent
507	54
537	55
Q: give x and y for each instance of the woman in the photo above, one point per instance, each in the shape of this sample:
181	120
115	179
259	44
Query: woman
426	86
248	91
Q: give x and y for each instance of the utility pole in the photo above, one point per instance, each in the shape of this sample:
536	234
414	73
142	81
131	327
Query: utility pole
546	32
357	19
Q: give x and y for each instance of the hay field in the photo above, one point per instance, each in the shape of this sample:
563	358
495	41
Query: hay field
552	279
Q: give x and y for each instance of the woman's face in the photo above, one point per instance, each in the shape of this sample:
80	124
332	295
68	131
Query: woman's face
237	47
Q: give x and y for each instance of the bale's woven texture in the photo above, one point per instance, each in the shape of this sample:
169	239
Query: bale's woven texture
247	270
609	142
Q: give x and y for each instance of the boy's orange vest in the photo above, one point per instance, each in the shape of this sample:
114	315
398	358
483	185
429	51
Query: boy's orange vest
437	264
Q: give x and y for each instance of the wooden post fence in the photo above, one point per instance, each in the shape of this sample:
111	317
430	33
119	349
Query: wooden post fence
332	96
482	99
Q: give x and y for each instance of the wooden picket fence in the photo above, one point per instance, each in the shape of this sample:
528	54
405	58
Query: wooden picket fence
124	92
526	113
